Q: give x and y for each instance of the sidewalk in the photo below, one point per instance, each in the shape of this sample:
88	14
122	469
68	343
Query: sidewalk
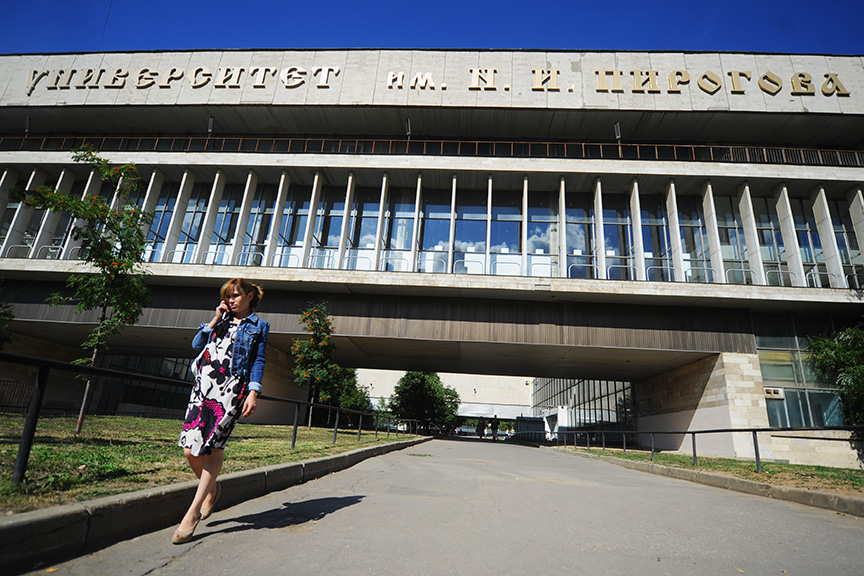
73	529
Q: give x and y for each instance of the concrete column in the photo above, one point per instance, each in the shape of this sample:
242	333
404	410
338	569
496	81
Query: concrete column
562	229
45	235
310	222
238	258
790	238
524	240
151	198
216	192
636	223
751	236
415	233
91	190
715	252
856	212
830	250
21	219
346	221
487	266
677	252
273	237
379	231
8	179
177	217
452	225
599	237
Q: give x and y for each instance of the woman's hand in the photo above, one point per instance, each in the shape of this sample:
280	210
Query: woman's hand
250	404
221	310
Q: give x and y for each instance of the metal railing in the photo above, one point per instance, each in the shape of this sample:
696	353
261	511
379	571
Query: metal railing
543	436
45	366
483	148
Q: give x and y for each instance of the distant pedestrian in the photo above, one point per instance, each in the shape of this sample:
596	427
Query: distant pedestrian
228	373
481	427
494	426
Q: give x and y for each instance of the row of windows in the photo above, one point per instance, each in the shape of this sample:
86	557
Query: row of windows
614	234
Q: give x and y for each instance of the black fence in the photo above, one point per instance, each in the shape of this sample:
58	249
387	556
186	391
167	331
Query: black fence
619	437
45	366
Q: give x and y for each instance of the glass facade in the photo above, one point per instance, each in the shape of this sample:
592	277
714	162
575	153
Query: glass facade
795	395
505	230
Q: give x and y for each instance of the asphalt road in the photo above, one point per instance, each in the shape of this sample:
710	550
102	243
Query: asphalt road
480	508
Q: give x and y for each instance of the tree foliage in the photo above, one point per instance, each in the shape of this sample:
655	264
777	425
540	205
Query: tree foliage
113	240
840	357
422	396
313	356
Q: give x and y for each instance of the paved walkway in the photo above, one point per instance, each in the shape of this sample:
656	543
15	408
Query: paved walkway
478	508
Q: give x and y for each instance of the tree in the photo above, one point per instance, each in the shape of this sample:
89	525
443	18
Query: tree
113	240
840	357
313	357
352	396
421	396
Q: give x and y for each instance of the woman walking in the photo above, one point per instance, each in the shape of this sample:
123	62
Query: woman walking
228	373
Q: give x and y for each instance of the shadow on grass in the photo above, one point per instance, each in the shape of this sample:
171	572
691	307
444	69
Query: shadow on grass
72	441
291	514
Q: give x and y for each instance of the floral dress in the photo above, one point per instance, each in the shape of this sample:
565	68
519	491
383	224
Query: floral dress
216	400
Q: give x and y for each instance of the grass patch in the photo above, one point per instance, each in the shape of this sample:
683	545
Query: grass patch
116	454
841	480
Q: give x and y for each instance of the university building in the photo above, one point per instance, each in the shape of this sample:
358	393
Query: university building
663	229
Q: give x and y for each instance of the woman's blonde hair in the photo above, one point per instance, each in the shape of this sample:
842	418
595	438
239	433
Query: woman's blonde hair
244	286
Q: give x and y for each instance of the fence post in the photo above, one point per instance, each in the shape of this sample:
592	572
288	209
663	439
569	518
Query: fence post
624	436
652	446
296	422
336	427
756	449
603	437
588	441
30	425
360	428
389	424
693	442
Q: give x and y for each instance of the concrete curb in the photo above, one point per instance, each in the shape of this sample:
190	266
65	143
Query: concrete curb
840	503
70	530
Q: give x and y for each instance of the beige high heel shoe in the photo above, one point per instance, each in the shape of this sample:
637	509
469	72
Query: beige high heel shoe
183	536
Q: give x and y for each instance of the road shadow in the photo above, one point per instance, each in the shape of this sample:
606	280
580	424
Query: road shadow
291	514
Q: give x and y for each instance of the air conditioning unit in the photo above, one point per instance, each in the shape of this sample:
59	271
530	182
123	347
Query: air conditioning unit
775	393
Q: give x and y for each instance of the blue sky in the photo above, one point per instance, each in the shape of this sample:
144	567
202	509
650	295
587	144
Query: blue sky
824	27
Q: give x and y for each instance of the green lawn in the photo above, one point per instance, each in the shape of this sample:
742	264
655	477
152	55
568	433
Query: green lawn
115	454
845	480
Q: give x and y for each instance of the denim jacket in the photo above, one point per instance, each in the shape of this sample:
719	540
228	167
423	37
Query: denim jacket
247	354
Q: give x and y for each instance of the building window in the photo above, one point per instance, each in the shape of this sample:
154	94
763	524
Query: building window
363	230
292	227
795	395
542	243
161	220
812	256
579	218
226	225
470	242
847	244
258	226
694	240
771	243
398	228
732	243
434	231
655	239
505	233
617	237
193	218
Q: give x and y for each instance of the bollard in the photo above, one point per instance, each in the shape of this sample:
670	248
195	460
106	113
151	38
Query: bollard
360	428
693	441
336	427
296	421
30	425
756	450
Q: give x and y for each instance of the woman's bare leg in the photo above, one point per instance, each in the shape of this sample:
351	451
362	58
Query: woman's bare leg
207	468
